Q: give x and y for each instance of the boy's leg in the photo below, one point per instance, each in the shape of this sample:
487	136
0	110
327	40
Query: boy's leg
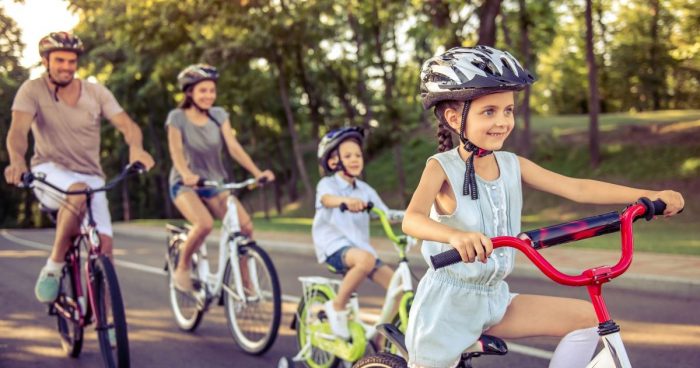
536	315
382	276
360	263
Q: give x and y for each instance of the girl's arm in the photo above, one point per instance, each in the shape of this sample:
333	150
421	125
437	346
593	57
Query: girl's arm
178	156
418	224
240	155
593	191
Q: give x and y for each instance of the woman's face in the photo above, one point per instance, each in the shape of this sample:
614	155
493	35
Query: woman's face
351	155
204	94
490	120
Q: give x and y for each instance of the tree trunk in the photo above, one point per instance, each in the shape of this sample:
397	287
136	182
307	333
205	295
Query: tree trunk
298	157
525	136
593	99
368	116
487	22
161	169
314	99
657	84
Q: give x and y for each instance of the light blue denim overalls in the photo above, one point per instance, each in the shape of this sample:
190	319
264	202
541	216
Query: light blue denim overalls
455	304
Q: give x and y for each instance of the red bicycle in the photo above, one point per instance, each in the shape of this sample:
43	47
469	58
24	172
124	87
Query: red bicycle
613	354
103	304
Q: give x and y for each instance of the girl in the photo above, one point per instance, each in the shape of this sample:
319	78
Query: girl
197	132
469	194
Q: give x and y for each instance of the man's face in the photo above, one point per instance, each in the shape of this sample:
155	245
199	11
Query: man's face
61	65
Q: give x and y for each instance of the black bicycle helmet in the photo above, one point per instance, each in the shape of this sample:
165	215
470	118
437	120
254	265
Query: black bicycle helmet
196	73
60	41
465	73
332	140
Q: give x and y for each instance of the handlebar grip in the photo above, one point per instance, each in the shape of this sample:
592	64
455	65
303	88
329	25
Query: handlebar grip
201	182
27	178
262	180
344	207
136	166
445	259
654	208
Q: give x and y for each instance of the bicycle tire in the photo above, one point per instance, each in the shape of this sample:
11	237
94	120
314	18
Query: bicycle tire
242	319
307	312
69	329
186	311
109	314
381	360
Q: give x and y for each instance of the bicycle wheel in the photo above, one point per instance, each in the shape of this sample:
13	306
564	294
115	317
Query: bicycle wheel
70	331
186	309
254	323
109	314
309	313
381	360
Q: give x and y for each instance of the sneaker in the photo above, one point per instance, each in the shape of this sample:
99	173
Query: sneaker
338	320
47	285
112	336
183	281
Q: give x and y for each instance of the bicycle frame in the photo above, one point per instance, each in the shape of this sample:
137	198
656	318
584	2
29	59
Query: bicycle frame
613	353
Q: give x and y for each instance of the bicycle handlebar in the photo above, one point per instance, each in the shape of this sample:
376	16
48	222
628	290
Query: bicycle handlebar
250	182
623	222
134	168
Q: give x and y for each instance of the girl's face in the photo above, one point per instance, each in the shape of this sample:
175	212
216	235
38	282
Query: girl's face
351	155
490	120
204	94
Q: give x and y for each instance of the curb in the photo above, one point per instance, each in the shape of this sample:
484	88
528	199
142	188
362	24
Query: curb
683	288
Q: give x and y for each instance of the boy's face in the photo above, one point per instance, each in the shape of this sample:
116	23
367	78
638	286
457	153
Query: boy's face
491	119
351	155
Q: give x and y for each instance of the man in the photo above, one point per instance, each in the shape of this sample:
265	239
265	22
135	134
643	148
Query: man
64	115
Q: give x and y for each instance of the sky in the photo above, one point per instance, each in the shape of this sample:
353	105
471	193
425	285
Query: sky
37	18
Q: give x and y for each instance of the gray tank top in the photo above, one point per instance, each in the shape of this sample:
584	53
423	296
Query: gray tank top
496	212
201	145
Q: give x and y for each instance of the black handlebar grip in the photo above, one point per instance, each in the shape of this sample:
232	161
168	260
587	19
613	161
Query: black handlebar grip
344	207
201	182
27	178
262	180
136	166
659	207
445	259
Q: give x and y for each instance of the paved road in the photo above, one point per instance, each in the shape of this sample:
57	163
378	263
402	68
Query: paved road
659	330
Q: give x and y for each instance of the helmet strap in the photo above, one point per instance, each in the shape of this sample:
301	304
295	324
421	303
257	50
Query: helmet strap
469	186
345	171
206	112
55	83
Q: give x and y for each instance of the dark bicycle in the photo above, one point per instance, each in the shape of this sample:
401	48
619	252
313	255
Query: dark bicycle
103	304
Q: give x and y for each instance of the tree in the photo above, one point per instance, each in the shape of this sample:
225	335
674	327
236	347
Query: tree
593	99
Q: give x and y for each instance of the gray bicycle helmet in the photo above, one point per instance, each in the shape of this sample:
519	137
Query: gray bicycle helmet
196	73
332	140
60	41
465	73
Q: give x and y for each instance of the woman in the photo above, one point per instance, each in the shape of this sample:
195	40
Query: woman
197	131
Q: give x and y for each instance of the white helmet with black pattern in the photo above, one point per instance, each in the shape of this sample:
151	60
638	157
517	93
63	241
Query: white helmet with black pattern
465	73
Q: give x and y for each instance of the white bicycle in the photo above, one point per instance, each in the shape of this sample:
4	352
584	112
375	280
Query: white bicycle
245	283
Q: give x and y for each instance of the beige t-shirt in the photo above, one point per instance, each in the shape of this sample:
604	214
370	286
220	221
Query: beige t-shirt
67	135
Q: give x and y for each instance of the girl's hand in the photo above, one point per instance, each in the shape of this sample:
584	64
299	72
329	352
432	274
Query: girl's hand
674	201
190	179
472	246
355	205
267	174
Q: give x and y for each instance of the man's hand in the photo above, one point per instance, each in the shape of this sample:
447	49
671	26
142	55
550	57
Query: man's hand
138	154
13	173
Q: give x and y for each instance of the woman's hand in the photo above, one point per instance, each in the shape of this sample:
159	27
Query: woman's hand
267	174
674	201
190	179
472	246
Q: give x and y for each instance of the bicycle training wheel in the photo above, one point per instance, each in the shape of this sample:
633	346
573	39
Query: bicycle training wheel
381	360
69	329
109	314
254	323
309	313
185	307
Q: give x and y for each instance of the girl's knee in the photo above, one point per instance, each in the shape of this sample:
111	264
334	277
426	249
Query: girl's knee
247	228
203	227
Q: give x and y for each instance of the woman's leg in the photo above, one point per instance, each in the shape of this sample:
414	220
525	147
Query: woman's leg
194	211
536	315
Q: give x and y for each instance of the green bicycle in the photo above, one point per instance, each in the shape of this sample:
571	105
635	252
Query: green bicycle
318	346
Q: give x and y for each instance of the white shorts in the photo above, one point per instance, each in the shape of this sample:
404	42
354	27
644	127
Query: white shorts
64	178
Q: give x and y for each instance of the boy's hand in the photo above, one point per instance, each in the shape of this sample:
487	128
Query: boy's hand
355	205
472	246
674	201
